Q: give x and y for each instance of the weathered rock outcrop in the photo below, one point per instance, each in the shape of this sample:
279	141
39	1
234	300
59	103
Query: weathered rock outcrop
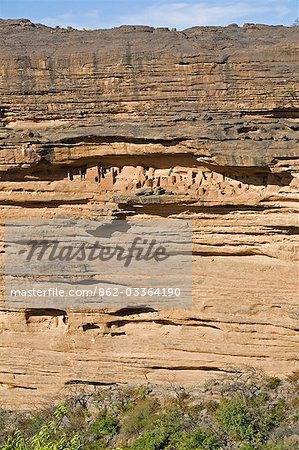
200	124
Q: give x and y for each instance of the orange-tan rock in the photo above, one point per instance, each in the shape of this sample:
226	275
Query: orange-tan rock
140	122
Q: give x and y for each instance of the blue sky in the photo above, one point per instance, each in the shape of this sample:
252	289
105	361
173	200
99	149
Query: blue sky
170	13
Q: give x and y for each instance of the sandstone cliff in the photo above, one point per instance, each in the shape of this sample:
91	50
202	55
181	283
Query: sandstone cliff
200	124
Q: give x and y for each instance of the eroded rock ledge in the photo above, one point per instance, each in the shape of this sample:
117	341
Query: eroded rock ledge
199	124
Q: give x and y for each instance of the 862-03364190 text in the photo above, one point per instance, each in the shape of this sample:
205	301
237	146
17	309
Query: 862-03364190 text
99	292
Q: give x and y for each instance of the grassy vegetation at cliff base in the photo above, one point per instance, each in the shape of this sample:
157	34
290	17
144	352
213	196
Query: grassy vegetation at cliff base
246	413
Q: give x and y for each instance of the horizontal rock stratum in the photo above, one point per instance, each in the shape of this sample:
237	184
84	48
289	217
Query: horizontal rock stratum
135	122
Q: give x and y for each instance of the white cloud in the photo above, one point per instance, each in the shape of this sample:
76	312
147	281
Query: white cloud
180	14
186	14
89	19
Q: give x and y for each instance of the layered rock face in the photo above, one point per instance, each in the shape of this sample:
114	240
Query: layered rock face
142	122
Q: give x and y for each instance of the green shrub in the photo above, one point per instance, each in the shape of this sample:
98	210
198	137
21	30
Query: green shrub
174	431
195	440
155	439
105	425
140	417
163	430
249	420
101	431
273	383
235	419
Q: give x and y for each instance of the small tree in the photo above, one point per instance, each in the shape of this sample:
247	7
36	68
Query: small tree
49	436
